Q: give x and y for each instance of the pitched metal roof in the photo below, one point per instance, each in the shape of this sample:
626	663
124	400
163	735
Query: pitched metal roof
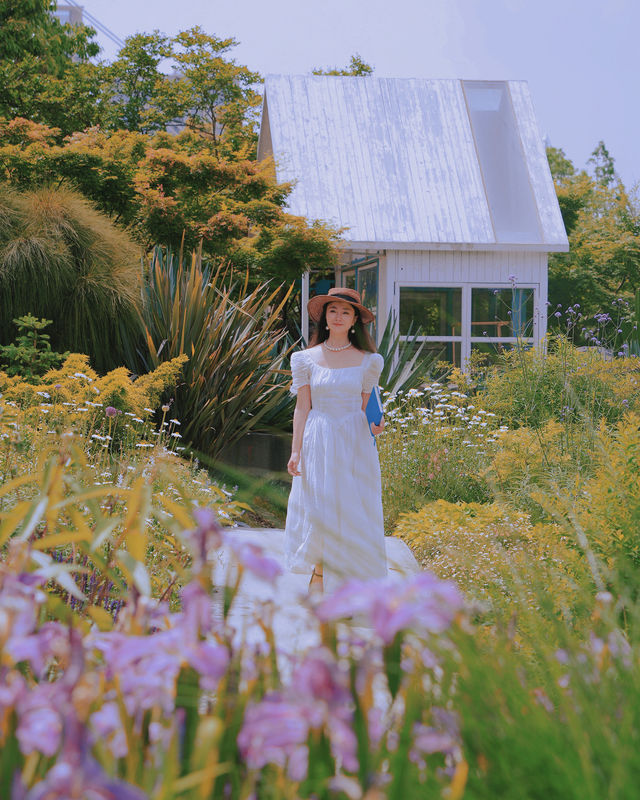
400	163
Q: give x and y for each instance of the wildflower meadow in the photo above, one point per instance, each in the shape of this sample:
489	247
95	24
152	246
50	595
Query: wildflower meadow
154	269
507	667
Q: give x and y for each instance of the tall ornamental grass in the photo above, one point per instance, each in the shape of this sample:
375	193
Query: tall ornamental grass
63	260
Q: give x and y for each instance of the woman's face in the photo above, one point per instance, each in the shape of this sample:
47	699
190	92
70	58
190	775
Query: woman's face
340	316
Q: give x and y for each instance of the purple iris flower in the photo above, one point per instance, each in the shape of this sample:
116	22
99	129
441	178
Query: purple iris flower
40	718
272	732
51	641
76	775
107	725
205	537
253	558
422	603
197	611
210	660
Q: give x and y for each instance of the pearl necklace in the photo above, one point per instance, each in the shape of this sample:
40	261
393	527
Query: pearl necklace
337	349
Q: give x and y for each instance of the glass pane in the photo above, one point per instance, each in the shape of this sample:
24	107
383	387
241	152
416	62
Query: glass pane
349	279
368	288
437	312
502	161
502	312
438	351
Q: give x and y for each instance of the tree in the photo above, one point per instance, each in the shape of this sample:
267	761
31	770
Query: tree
173	190
45	74
603	164
215	95
135	90
603	225
356	67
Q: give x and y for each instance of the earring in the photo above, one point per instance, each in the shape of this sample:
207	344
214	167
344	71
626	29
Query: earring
326	327
353	330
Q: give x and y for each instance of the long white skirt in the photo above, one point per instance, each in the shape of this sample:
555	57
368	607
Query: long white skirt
334	515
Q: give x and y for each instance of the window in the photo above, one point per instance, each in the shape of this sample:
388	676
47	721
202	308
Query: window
368	288
437	312
364	278
453	321
502	313
349	279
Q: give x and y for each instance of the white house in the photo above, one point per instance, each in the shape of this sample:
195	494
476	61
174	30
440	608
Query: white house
444	192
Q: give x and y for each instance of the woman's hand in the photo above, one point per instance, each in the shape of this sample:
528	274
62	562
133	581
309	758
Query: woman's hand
377	429
293	465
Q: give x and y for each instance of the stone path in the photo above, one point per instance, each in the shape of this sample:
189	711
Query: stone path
285	604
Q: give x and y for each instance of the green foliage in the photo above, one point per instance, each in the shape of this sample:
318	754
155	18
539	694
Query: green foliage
31	354
560	724
404	366
230	335
44	69
63	260
436	445
602	220
356	67
134	86
529	388
604	169
214	93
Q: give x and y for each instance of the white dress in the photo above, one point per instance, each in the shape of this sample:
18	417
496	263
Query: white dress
334	515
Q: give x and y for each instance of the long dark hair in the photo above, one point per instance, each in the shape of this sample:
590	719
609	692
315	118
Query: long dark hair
360	338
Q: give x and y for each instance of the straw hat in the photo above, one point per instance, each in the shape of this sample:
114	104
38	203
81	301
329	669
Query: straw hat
317	303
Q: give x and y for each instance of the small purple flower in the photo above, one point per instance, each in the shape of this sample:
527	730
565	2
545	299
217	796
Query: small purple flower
110	411
430	740
205	537
77	774
557	314
40	718
197	611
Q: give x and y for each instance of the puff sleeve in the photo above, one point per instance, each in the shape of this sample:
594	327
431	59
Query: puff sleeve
372	370
300	371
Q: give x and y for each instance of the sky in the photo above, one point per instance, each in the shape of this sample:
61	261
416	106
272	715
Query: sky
580	57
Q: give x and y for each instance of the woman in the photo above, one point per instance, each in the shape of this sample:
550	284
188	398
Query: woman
334	527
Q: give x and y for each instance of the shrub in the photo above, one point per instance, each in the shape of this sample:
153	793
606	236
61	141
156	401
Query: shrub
231	338
608	508
110	410
31	354
63	260
499	557
529	387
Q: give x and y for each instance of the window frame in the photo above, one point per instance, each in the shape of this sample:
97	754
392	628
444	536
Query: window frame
467	287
